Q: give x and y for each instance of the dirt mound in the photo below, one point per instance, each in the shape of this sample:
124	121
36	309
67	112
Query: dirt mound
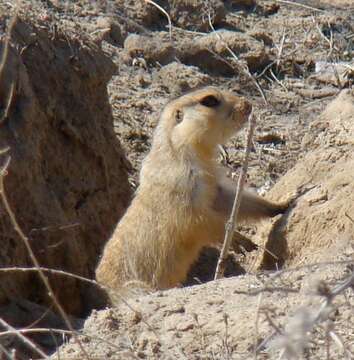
232	318
67	179
323	214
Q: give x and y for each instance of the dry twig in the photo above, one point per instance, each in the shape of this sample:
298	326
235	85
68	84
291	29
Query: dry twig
231	224
10	95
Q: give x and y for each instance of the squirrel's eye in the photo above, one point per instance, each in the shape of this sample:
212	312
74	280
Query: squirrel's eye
210	101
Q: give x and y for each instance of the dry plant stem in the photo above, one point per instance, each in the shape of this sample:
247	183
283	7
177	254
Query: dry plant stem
2	65
27	341
165	13
6	47
33	257
273	275
231	224
244	69
280	49
277	80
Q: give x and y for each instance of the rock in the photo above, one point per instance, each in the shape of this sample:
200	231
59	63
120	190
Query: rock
67	180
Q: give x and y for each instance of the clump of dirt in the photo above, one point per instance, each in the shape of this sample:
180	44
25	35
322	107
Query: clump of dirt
67	179
195	14
179	78
107	29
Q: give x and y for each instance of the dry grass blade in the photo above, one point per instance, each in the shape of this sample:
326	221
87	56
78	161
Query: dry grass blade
231	224
165	13
27	341
10	95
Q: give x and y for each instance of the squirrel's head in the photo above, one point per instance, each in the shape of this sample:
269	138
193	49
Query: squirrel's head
204	118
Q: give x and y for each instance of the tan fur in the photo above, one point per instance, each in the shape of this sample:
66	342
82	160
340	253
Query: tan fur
183	200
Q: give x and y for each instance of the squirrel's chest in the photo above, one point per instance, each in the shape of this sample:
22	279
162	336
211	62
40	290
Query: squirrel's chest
203	190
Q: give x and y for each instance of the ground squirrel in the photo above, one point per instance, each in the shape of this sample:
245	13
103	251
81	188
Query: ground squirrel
183	200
